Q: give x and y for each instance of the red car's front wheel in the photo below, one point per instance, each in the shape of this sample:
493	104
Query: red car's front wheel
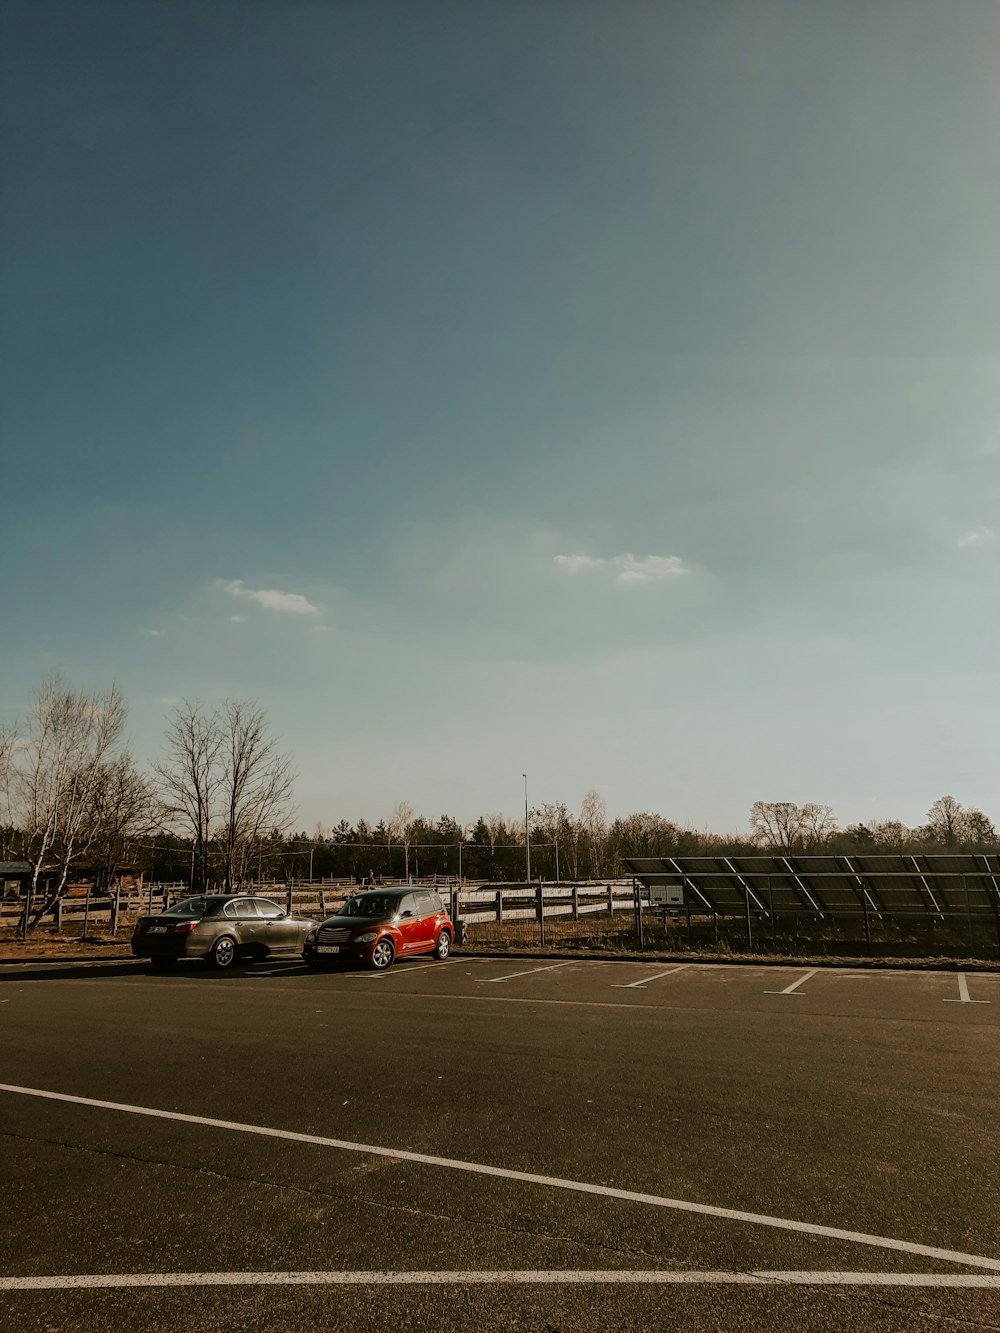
383	954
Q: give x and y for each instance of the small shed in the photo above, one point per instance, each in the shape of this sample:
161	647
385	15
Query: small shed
15	876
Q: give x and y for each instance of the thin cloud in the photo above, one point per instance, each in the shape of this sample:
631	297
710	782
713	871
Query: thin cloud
575	564
237	620
648	568
632	569
271	599
981	536
153	633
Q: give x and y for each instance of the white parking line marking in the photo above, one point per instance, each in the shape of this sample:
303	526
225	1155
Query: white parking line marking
510	975
403	970
519	1277
963	993
793	989
525	1177
637	985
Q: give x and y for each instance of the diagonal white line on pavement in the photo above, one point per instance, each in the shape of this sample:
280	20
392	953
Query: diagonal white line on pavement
637	985
793	989
550	967
963	993
527	1177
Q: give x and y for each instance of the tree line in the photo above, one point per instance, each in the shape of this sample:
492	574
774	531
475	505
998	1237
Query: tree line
215	811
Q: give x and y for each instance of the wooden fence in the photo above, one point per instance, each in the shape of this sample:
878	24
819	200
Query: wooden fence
479	902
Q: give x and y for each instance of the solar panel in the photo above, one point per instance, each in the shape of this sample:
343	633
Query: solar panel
934	887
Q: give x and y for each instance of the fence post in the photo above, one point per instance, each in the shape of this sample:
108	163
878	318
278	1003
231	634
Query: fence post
86	912
149	901
868	924
541	915
455	905
576	902
746	888
114	914
637	898
687	907
499	905
611	901
322	901
289	907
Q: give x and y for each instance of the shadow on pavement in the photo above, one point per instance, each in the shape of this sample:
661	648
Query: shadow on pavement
194	969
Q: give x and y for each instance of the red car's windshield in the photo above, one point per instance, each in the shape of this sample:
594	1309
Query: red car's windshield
371	904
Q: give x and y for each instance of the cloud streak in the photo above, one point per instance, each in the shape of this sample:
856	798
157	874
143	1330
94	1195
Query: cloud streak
575	564
981	536
630	569
271	599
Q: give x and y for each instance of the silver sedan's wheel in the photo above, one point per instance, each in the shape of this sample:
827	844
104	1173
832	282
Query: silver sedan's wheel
224	952
383	954
443	947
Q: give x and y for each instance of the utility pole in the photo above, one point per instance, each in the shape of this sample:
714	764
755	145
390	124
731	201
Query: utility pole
527	830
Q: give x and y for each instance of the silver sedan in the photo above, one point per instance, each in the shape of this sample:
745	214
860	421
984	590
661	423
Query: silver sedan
220	928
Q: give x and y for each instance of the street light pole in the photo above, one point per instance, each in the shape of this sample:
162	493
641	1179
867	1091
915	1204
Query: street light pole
527	831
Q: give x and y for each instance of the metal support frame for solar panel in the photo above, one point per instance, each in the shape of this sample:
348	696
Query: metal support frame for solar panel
868	900
804	888
686	879
921	877
743	883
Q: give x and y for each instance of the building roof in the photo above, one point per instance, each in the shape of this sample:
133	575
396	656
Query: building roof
10	869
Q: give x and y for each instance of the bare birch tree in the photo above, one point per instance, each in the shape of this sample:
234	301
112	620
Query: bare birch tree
594	824
125	809
225	783
785	825
496	828
401	827
553	822
54	772
775	823
817	823
256	787
944	819
190	778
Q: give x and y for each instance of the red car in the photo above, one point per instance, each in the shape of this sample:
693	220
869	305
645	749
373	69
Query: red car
377	927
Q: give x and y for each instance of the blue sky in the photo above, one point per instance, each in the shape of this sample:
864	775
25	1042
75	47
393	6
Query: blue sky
603	391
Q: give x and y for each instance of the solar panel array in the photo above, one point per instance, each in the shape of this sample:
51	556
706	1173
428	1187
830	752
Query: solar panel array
904	884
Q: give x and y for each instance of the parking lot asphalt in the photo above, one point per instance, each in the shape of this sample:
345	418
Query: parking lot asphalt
500	1143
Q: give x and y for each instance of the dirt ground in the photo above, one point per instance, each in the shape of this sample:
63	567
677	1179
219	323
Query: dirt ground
47	944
